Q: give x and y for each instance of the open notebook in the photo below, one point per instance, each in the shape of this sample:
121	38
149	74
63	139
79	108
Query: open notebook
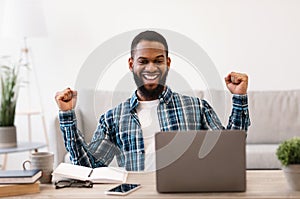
96	175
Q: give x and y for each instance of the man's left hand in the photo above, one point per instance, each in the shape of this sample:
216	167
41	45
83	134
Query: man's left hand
237	83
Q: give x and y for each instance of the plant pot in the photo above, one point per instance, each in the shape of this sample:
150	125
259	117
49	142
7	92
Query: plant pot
8	136
292	175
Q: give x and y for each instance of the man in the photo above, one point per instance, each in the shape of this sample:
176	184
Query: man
126	131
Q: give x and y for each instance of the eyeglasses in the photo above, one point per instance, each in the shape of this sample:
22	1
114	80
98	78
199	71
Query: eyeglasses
73	183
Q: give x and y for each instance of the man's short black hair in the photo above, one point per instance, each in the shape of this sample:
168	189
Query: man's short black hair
149	36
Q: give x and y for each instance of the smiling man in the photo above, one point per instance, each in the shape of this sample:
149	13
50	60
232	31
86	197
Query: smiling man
149	63
127	131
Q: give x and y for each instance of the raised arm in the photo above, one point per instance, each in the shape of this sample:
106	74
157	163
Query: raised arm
99	152
237	84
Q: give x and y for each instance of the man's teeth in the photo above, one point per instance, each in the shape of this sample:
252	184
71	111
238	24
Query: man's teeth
150	77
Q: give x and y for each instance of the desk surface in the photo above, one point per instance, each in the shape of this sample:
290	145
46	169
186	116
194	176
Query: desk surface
260	184
23	146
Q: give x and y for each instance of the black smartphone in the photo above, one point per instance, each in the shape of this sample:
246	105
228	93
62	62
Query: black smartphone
123	189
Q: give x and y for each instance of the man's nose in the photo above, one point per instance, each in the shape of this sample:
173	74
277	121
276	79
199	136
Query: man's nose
151	67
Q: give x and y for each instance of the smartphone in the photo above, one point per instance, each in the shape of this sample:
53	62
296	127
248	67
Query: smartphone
123	189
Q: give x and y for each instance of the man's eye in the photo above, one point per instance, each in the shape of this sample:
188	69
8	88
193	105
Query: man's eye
143	61
159	61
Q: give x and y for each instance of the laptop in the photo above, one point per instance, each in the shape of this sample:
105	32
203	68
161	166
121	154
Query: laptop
200	161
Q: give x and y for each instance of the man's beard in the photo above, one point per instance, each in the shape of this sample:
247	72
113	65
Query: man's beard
150	94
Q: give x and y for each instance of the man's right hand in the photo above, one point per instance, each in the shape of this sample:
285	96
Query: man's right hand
66	99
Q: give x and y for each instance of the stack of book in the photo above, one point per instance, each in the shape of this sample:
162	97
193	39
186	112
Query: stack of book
19	182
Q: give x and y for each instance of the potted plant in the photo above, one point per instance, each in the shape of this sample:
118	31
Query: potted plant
8	99
288	154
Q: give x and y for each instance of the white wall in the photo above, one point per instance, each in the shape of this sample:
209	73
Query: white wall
258	37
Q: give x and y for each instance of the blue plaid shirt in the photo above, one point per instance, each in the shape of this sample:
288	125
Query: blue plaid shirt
119	131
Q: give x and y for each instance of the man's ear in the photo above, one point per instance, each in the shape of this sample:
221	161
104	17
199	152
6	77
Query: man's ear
130	64
168	62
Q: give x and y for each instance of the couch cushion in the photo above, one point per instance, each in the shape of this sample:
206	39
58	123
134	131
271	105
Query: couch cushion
274	116
262	156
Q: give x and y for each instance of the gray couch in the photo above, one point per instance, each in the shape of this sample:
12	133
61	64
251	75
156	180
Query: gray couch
274	115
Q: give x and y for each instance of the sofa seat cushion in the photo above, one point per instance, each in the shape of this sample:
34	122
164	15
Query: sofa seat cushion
262	156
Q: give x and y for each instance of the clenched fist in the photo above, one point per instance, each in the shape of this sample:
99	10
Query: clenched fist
237	83
66	99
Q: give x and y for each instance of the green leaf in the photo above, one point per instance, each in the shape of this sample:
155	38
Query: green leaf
288	151
9	78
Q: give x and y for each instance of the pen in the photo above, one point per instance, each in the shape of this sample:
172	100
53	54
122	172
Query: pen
90	173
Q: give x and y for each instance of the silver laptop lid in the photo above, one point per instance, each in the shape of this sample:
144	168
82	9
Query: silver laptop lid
200	161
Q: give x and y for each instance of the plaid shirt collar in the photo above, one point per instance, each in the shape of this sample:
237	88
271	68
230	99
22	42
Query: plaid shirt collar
165	96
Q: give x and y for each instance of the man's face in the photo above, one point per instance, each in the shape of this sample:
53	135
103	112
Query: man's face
150	67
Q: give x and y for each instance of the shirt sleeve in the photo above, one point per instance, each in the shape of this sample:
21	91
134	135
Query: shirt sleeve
98	153
239	118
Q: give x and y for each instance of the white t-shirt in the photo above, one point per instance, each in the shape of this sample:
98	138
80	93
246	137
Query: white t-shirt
147	113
